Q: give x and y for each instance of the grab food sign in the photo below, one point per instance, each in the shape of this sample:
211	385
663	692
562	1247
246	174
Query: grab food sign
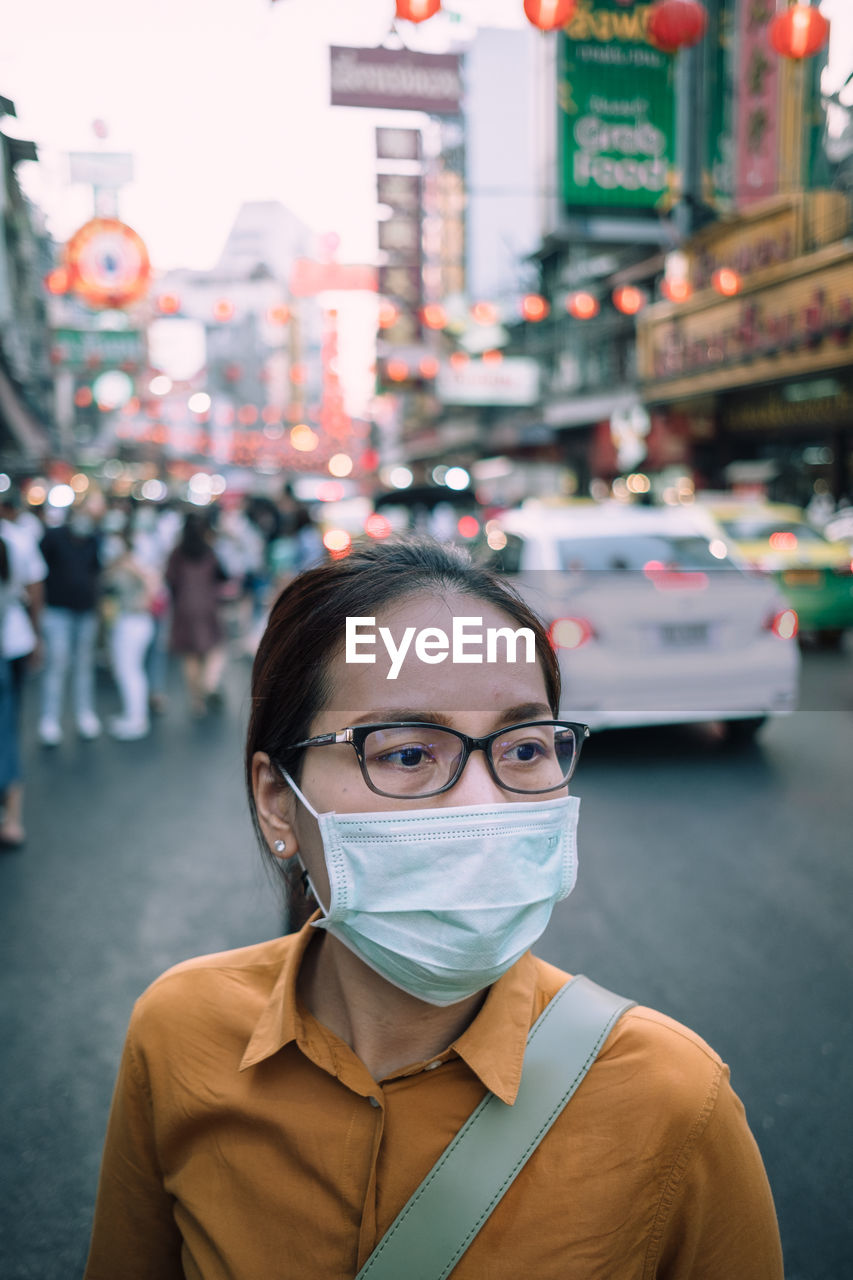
617	110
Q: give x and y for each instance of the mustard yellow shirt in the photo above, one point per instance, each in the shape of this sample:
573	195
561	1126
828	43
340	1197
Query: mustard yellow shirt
247	1142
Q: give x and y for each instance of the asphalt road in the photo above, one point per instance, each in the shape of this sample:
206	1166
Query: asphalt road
716	887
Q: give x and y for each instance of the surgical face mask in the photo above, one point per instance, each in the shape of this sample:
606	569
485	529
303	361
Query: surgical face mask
441	902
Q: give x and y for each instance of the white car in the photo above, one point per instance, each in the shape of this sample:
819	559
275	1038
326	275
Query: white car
653	617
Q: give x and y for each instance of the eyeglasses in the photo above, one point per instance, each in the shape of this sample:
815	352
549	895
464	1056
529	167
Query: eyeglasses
416	759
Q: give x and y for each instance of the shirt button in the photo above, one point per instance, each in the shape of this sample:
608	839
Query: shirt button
374	1102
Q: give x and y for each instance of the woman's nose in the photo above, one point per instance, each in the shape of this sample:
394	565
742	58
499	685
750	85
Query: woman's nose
475	786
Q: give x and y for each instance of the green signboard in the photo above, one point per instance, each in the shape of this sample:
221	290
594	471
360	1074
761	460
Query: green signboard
616	111
98	348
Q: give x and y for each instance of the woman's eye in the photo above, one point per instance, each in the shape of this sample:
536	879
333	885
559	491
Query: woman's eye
525	752
405	757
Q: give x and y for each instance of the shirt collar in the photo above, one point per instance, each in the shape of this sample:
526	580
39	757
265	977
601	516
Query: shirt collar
492	1046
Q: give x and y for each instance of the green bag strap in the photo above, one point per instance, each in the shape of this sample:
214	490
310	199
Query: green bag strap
436	1226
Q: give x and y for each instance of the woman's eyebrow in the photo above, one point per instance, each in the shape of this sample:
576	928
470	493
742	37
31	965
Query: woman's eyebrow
507	716
380	715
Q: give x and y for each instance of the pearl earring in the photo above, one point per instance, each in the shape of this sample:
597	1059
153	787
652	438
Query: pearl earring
279	846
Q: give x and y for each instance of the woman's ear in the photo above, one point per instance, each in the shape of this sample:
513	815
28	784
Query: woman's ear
274	804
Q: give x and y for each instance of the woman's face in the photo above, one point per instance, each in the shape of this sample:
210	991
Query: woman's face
475	698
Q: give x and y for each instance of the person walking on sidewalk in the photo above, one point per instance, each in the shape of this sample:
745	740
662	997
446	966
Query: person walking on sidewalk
20	645
70	622
131	588
194	577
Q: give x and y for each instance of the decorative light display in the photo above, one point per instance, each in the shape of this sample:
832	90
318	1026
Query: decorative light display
676	290
583	306
168	304
417	10
629	299
389	313
548	15
534	307
107	264
223	310
799	32
434	316
677	24
484	313
726	281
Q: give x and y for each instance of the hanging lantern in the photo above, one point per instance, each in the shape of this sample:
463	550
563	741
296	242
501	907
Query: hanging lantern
417	10
434	316
389	313
726	281
484	313
583	306
548	15
629	299
678	289
799	32
534	307
676	24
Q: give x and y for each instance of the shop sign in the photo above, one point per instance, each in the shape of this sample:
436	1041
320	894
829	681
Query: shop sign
514	381
757	116
617	115
99	348
396	78
759	241
776	331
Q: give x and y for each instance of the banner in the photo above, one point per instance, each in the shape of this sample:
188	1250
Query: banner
617	111
397	78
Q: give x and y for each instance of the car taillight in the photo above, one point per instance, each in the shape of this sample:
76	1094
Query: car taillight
784	624
569	633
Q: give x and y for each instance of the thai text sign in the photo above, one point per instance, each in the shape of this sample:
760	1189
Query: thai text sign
617	112
396	78
798	325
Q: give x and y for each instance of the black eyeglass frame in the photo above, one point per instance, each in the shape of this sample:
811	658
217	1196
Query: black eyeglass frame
356	735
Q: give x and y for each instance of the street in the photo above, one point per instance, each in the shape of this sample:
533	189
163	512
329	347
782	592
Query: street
715	886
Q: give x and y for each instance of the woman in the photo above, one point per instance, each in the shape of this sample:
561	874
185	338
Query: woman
277	1105
194	577
131	588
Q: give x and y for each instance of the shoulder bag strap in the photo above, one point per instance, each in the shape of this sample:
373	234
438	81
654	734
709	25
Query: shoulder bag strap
436	1226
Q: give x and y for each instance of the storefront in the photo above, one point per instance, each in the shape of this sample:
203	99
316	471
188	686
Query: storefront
766	374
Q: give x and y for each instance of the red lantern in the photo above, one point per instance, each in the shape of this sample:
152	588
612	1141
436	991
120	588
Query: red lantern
534	307
628	299
677	289
726	281
434	316
583	306
417	10
676	24
548	15
798	32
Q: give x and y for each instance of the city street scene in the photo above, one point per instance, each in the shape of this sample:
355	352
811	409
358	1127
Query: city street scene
417	416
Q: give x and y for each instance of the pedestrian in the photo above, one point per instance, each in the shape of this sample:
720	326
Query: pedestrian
132	588
278	1105
70	621
194	577
154	537
20	643
10	756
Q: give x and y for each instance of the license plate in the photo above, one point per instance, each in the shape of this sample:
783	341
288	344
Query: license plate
802	577
684	634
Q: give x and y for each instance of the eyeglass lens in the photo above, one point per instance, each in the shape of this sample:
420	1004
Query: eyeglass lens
406	761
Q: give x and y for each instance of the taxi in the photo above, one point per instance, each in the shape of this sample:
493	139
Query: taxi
814	574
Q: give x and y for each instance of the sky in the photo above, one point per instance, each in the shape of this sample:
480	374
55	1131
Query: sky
221	101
